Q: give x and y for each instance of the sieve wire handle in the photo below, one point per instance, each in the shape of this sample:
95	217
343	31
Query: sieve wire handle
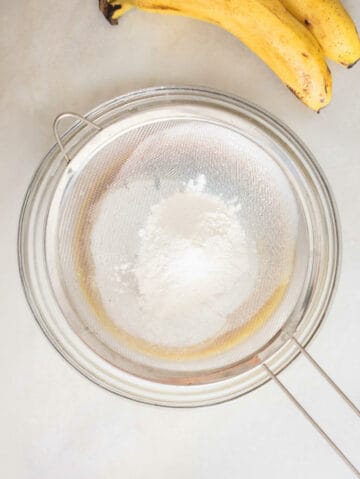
326	376
304	411
61	117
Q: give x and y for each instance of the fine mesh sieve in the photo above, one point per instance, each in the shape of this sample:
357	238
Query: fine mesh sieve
181	246
118	282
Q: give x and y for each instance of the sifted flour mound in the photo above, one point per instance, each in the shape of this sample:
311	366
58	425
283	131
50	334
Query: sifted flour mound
193	256
191	270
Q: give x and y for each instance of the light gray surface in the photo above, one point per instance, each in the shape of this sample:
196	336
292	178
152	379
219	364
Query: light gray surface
58	56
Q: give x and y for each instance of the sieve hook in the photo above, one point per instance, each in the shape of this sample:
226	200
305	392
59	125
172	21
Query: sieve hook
56	123
305	412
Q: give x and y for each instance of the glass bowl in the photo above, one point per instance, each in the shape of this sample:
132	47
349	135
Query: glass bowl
49	229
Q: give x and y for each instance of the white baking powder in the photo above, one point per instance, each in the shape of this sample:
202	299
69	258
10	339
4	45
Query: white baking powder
192	267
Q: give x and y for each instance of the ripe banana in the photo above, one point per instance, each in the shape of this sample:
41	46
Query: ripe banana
266	27
332	26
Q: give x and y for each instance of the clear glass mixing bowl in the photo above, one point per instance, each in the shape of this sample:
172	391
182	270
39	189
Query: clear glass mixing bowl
58	208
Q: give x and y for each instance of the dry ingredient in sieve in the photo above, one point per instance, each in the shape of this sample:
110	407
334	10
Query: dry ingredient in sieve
194	267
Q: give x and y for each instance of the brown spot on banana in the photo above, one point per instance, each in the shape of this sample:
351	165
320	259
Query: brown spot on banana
352	65
164	8
300	97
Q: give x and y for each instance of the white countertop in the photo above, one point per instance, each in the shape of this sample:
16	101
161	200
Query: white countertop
58	56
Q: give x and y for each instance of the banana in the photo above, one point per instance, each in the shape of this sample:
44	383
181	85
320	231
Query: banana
266	27
332	26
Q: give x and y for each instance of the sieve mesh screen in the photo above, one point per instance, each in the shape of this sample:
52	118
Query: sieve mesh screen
178	248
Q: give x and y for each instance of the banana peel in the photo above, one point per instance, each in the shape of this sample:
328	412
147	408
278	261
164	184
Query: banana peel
333	27
279	39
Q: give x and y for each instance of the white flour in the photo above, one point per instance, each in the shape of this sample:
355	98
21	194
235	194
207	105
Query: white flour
194	266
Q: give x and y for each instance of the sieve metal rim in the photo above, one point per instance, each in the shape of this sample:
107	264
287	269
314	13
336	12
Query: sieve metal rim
85	361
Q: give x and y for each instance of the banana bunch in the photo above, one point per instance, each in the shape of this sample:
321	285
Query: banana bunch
292	37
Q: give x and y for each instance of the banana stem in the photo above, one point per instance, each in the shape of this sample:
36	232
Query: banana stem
114	9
